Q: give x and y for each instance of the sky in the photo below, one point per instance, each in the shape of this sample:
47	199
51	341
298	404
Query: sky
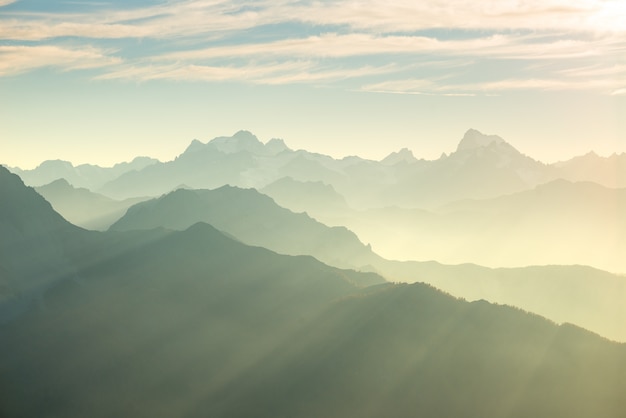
104	81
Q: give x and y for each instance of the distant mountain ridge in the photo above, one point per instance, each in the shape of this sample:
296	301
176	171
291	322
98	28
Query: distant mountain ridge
88	176
483	166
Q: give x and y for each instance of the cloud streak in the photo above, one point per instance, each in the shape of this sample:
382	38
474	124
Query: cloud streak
19	59
274	42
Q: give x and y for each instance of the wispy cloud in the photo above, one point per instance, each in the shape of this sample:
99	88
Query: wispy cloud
18	59
440	87
343	39
199	16
346	45
407	15
288	72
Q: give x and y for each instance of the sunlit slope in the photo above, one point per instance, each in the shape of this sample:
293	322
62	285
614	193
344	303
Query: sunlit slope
590	298
556	223
609	171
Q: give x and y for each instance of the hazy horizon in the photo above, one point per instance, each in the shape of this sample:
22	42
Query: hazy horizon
287	143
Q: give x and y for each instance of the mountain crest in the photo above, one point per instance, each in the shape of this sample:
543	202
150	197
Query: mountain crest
276	146
195	145
240	141
475	139
404	155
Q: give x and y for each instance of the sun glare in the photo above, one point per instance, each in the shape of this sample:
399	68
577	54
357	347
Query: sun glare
611	16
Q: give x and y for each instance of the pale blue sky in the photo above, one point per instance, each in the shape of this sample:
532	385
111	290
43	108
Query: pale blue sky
104	81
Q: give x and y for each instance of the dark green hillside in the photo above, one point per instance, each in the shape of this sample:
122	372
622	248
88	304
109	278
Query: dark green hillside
215	339
159	322
35	244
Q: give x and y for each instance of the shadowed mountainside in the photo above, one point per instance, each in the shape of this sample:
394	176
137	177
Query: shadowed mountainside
35	243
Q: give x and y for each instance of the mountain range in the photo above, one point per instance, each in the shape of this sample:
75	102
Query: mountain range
193	323
483	166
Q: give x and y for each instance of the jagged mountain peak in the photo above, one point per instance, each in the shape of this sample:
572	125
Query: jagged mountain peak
276	146
240	141
404	155
475	139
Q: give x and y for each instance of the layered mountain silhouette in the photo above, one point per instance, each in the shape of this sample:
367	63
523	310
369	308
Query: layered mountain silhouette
194	323
587	297
83	207
252	218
